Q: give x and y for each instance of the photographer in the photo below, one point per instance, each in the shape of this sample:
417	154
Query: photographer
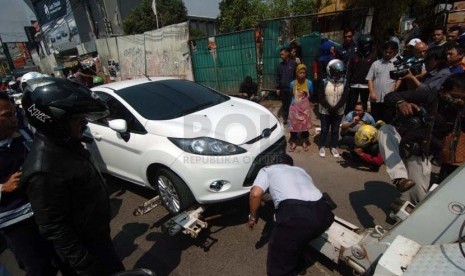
436	70
424	120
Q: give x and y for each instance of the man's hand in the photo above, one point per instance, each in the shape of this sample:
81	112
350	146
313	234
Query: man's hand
373	97
356	119
254	203
251	223
358	151
278	92
408	109
12	183
409	75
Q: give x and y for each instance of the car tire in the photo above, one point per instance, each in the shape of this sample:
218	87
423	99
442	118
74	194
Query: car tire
174	193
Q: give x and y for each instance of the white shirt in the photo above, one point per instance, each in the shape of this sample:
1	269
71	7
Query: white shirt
287	182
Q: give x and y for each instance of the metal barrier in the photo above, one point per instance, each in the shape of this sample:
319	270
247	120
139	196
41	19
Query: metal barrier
222	62
308	30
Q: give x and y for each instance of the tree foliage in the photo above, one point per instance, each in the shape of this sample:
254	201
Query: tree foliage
388	13
236	15
142	18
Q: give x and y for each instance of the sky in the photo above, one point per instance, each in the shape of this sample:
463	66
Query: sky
203	8
14	15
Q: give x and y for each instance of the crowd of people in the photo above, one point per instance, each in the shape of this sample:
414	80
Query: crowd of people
354	88
416	102
402	109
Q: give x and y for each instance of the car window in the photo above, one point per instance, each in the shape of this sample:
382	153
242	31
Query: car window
119	111
169	99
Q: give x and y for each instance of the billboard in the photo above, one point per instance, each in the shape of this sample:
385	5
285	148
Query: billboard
58	24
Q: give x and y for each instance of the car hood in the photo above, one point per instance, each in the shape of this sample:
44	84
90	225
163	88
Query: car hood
236	121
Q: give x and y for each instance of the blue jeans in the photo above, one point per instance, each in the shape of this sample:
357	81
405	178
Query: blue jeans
330	121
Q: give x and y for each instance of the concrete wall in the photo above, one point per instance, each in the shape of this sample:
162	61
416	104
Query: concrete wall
162	52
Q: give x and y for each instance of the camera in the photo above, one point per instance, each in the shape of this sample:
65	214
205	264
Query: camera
403	65
419	120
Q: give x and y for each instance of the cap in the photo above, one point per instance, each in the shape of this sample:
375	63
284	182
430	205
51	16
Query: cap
414	41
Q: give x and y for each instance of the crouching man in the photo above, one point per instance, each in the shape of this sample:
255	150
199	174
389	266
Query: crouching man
301	214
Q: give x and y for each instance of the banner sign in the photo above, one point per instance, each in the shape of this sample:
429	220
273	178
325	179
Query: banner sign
49	10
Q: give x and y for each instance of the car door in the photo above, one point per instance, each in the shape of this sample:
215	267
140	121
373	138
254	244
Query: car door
118	153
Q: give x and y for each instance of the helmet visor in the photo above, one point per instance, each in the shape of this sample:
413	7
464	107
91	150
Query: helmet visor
95	116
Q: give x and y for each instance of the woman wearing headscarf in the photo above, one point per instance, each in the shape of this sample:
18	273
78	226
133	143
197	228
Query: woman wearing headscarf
300	110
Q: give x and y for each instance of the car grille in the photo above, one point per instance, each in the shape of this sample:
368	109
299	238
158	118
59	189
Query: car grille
266	158
261	136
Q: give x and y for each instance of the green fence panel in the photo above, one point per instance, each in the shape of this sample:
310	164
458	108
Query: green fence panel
308	31
272	41
222	62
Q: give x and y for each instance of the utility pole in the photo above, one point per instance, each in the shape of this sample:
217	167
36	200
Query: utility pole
106	22
154	8
90	17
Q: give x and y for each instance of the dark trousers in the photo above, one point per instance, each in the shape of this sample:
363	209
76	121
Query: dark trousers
103	251
378	111
303	134
297	223
348	140
354	93
33	253
285	95
331	121
445	171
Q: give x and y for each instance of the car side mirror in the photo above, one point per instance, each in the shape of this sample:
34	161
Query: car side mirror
118	125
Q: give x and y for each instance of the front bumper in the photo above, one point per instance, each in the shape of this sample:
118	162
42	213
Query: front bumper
238	171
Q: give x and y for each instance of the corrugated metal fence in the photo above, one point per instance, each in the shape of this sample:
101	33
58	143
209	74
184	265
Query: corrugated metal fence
223	61
308	30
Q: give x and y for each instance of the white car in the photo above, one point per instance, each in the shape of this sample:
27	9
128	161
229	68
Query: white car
187	141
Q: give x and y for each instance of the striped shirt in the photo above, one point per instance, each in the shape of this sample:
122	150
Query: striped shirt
379	74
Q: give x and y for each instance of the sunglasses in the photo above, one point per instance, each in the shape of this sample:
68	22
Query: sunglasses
348	36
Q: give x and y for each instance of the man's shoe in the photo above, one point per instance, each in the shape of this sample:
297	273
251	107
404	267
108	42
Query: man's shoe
403	184
322	152
334	152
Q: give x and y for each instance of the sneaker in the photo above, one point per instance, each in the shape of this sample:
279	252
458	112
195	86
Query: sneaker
403	184
322	152
334	152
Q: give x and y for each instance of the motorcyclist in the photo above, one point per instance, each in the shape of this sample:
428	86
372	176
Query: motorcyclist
70	206
357	70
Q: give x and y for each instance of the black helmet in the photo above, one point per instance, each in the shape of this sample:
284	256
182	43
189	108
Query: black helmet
50	102
365	44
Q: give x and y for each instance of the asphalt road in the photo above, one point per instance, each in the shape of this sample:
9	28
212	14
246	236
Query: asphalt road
227	247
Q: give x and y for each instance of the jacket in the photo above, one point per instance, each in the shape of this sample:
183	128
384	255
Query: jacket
14	206
334	98
68	196
285	73
444	119
358	67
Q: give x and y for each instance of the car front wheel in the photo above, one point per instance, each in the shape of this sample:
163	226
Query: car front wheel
174	193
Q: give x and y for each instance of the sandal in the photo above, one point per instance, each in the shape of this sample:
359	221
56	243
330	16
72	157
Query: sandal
292	147
305	146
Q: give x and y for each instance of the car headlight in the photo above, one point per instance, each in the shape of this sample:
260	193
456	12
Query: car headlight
206	146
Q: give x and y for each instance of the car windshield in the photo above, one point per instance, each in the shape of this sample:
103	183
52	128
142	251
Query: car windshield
169	99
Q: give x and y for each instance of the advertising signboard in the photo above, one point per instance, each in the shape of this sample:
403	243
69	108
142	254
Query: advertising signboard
57	24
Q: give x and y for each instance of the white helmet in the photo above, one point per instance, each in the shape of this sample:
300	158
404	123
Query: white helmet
335	69
29	76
